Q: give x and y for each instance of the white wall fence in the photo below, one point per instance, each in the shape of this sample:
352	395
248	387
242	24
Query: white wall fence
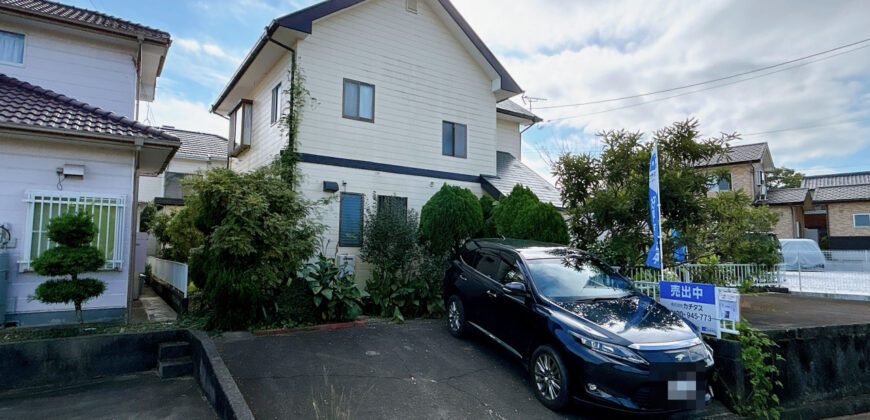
170	272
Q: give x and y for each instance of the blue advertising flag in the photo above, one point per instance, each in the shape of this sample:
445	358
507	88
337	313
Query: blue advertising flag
679	251
654	259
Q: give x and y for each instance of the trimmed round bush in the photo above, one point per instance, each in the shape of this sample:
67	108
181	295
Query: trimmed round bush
66	291
520	215
450	217
487	205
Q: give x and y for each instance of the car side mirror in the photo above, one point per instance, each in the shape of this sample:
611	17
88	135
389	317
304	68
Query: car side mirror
515	288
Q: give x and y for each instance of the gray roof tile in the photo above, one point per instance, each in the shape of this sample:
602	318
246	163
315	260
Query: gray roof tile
512	172
199	145
510	107
786	196
737	154
835	180
77	15
842	193
24	105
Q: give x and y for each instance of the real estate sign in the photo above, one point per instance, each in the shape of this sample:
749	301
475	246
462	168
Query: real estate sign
694	302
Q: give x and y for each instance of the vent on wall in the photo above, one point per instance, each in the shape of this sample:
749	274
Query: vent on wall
411	6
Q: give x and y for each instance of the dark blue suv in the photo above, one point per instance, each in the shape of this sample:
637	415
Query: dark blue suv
582	330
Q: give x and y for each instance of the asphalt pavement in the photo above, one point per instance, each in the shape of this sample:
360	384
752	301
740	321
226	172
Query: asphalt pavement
385	371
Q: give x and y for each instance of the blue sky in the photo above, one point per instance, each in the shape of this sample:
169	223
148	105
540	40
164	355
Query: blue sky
816	117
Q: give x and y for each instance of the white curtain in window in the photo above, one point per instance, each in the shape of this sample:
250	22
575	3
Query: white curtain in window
366	101
11	47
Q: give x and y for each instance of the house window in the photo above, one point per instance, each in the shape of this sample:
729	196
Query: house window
107	211
720	183
350	220
453	139
276	104
11	47
359	101
240	128
861	220
393	204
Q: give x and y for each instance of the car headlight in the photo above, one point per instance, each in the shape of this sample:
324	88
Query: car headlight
612	350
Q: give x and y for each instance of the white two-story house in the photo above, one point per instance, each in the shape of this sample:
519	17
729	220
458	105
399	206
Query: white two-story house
70	84
406	98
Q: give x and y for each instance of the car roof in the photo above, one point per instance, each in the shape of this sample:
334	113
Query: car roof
528	249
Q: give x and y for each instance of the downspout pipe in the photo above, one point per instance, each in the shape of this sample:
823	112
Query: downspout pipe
292	76
134	229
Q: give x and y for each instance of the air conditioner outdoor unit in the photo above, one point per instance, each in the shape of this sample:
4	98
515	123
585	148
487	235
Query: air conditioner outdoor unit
347	263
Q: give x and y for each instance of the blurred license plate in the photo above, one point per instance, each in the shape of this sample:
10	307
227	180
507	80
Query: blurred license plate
682	390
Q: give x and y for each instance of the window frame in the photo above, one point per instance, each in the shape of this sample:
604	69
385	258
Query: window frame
358	83
454	125
244	144
386	198
361	218
855	220
716	179
23	48
51	197
275	108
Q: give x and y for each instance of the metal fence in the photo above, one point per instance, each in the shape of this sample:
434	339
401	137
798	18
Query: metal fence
730	275
841	272
170	272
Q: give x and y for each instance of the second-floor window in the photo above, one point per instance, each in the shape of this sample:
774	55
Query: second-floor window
11	47
276	104
454	141
240	127
359	101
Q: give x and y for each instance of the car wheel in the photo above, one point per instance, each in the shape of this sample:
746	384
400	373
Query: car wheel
550	379
456	317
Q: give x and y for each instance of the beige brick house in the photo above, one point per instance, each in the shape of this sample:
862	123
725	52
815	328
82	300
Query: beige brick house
743	167
841	208
789	204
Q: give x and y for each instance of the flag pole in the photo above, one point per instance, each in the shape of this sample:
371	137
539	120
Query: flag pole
659	208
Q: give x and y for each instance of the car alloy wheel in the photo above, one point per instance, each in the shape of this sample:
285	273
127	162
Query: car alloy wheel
548	378
456	316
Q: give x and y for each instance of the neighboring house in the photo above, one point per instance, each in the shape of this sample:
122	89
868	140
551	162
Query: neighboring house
59	154
198	152
841	208
407	98
745	168
790	204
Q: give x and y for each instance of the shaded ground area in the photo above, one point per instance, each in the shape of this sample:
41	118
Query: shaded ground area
776	311
137	396
382	370
151	308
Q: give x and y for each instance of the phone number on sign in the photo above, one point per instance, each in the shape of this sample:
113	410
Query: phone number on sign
694	316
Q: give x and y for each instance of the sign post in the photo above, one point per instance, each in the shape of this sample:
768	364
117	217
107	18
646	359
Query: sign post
711	309
654	259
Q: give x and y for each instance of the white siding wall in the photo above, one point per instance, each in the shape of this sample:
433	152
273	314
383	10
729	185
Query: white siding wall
91	71
422	76
417	189
31	166
508	134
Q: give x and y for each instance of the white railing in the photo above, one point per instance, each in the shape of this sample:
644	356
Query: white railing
170	272
730	275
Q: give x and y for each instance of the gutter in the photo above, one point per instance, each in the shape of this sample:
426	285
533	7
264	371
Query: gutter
6	9
261	42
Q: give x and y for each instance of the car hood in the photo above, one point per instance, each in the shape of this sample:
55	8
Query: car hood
635	319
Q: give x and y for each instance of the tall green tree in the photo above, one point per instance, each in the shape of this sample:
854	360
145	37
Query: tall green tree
784	178
607	195
74	255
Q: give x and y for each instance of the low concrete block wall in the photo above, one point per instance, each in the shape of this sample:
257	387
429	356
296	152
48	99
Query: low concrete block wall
67	360
215	379
823	369
170	295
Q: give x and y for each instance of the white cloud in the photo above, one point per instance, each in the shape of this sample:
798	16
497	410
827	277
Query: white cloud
183	114
573	52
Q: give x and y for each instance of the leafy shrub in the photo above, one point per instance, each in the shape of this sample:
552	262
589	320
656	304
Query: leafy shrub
74	255
335	294
487	205
407	277
450	217
146	217
295	302
759	363
176	234
257	234
521	215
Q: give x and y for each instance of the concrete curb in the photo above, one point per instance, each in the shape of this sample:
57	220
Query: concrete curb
215	379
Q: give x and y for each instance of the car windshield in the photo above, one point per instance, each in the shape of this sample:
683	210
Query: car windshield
572	278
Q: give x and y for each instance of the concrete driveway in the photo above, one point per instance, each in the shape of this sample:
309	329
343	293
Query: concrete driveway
384	371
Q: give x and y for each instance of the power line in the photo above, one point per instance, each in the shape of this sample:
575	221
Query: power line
710	81
707	88
806	127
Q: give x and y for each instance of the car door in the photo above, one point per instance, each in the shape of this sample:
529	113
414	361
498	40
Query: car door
512	315
481	281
